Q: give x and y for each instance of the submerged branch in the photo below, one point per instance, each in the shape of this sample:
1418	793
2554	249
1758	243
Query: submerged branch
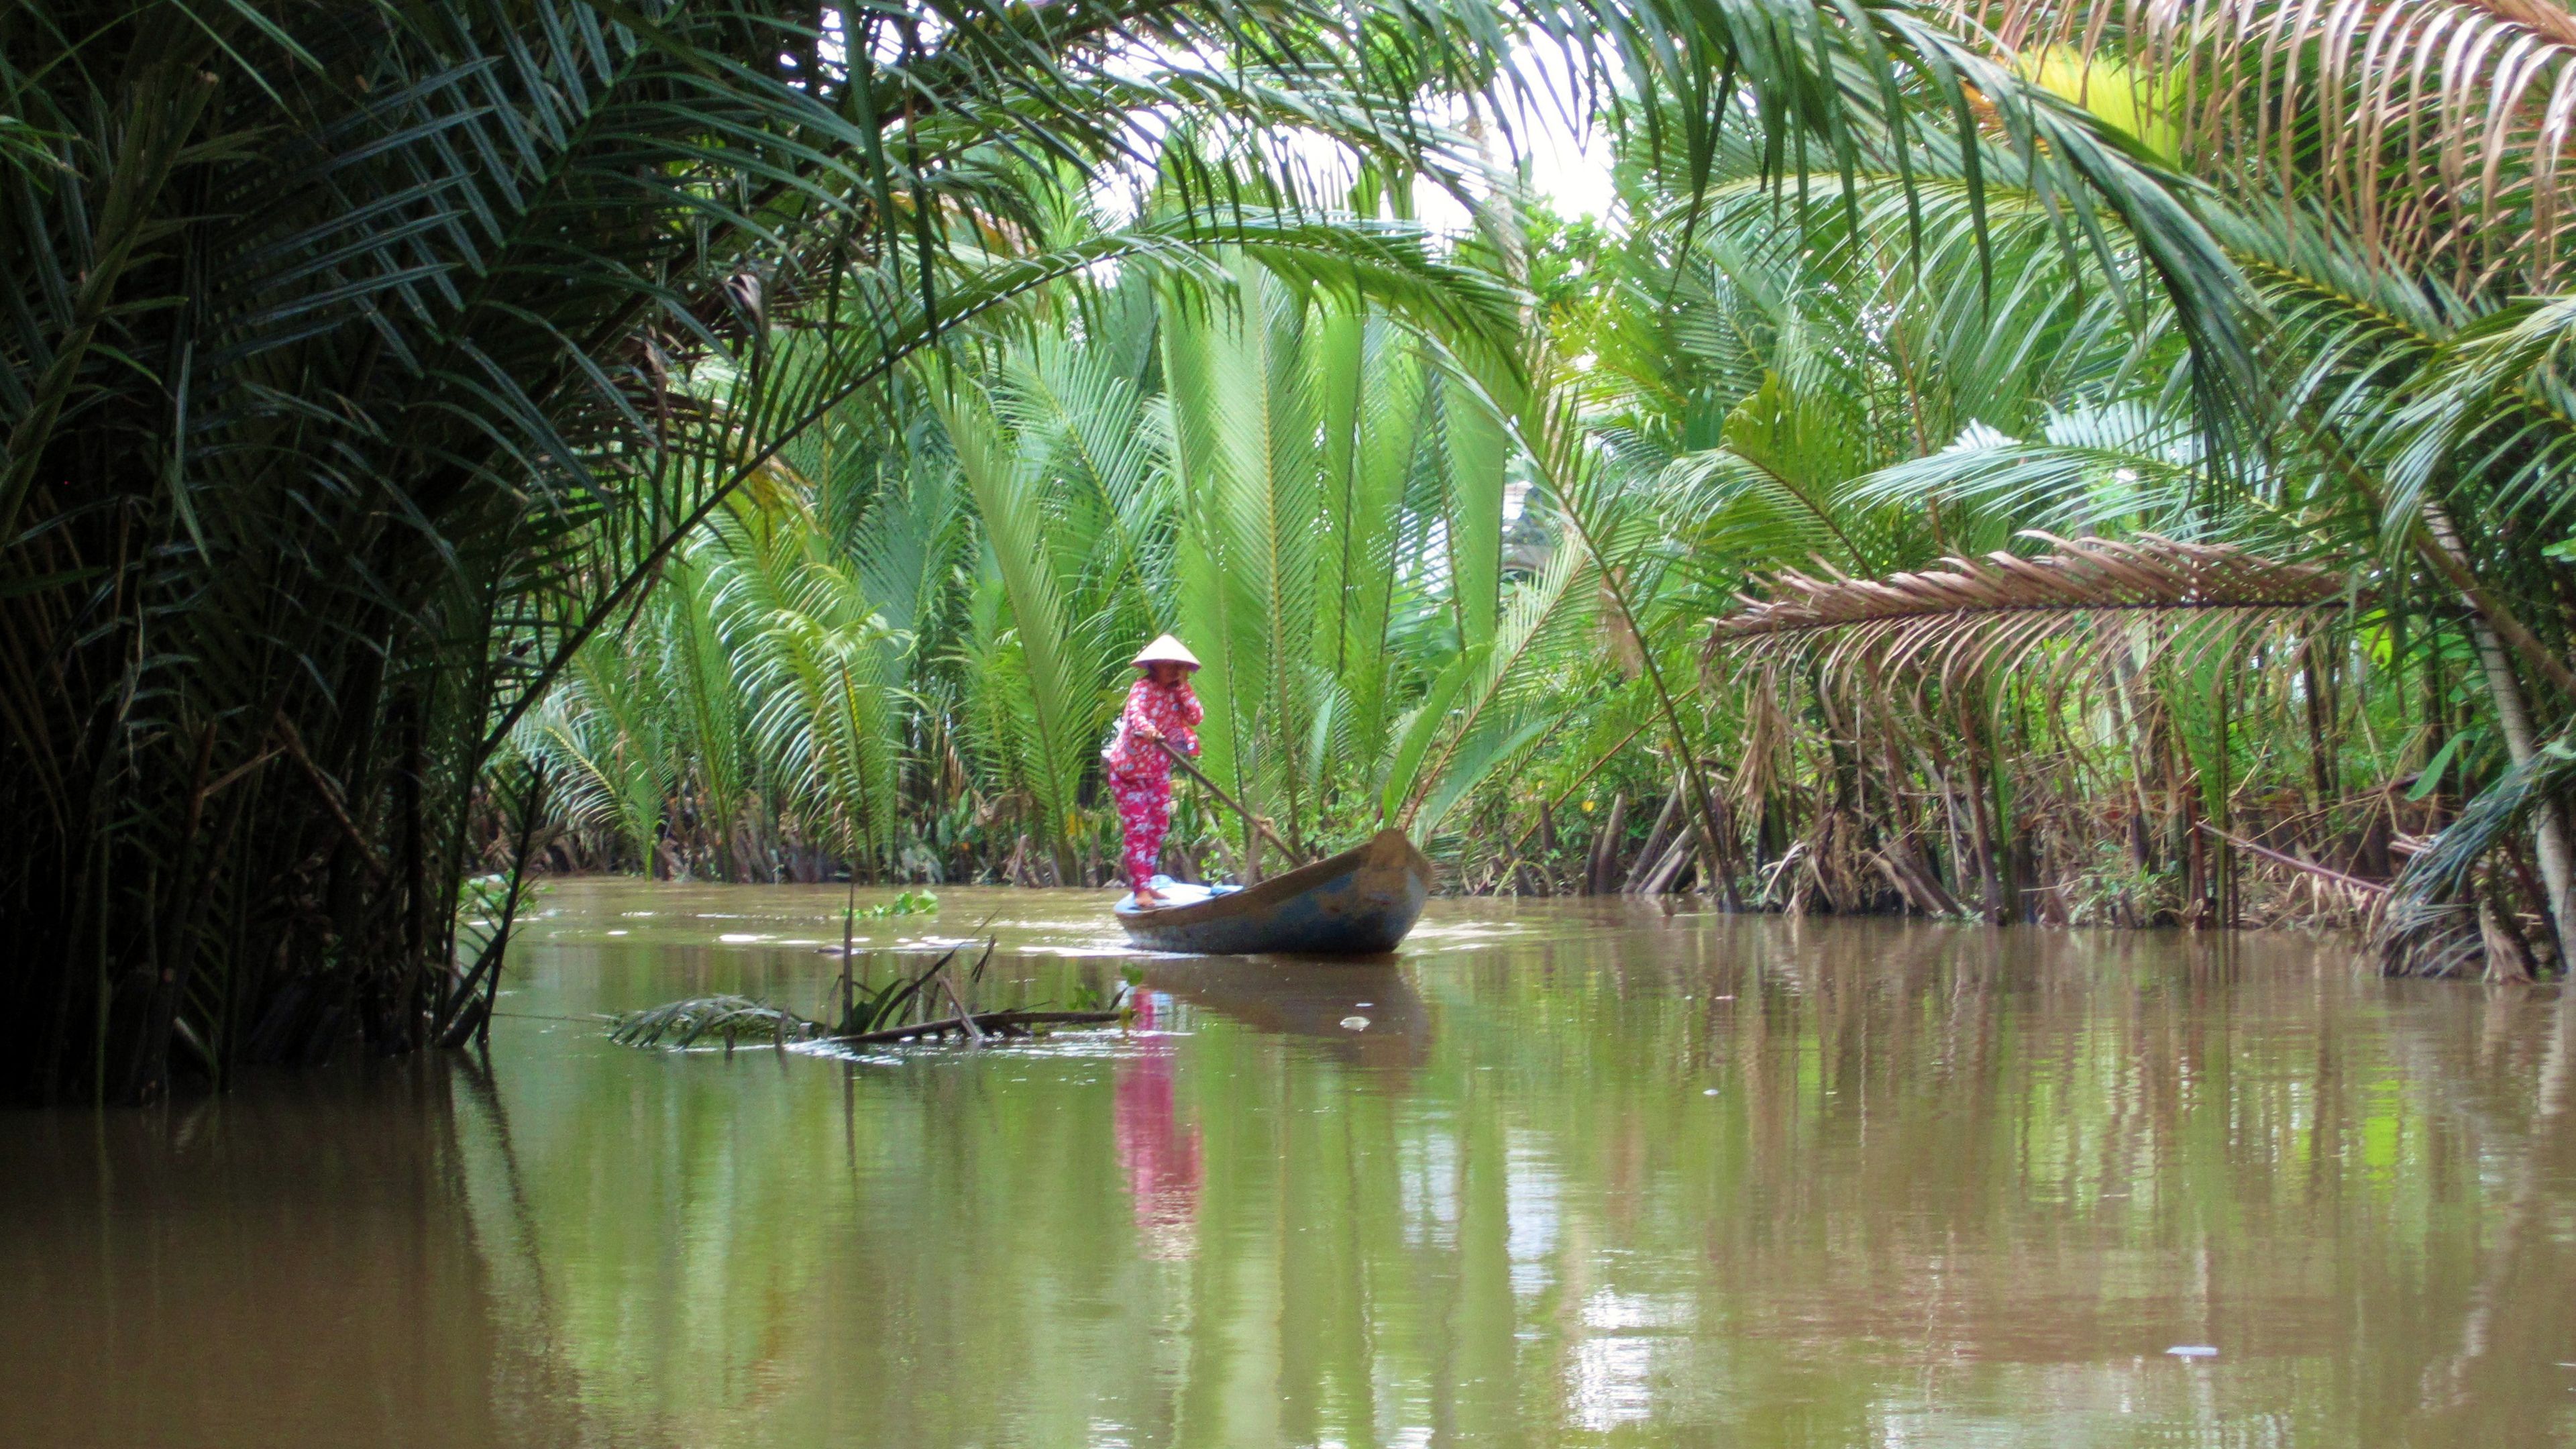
998	1023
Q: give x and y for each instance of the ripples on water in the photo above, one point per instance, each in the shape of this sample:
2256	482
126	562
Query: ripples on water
1585	1173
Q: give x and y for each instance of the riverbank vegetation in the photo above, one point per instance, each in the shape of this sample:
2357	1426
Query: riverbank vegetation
741	440
2236	665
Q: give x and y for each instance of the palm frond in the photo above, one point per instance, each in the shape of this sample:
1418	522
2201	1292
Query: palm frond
2439	128
2429	924
1068	703
731	1020
1976	615
425	336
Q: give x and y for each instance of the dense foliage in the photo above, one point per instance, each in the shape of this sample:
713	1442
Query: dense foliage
363	360
755	433
2231	678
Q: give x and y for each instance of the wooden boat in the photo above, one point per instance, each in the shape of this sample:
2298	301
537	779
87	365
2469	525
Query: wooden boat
1357	903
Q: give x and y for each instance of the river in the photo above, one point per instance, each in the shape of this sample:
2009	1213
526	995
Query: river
1568	1172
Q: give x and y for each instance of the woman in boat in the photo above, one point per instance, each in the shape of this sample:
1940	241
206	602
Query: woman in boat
1160	707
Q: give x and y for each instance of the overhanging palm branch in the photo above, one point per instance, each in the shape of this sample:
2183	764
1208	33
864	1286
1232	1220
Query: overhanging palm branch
2494	405
2439	128
1612	526
2429	923
1821	361
420	336
1975	616
2392	387
1826	88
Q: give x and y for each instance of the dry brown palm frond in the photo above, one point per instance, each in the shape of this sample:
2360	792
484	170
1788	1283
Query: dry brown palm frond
2437	129
2151	595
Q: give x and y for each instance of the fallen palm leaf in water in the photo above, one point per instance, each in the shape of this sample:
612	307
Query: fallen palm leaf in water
870	1015
683	1024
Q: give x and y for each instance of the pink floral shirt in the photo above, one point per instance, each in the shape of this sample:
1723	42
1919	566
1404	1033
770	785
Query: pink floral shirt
1172	709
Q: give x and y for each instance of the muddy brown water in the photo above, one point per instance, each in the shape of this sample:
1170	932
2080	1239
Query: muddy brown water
1563	1173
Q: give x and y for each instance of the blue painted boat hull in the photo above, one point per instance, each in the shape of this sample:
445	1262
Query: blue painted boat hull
1358	903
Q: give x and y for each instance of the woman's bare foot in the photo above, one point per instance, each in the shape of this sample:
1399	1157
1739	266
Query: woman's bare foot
1145	896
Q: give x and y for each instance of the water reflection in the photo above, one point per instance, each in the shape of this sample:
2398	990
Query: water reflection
1362	1013
297	1264
1157	1146
1586	1174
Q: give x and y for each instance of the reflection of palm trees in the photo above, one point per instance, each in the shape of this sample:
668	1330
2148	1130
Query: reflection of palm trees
513	1267
296	1263
2445	1381
1159	1151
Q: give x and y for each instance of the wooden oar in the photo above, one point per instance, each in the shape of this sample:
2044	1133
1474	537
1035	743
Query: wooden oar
1218	791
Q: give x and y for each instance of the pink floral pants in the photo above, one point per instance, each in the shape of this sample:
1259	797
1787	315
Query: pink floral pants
1144	811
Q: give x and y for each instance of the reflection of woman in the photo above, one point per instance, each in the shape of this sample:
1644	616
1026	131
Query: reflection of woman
1159	1151
1160	707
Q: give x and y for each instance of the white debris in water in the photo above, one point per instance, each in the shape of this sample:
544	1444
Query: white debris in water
1363	1003
1355	1023
736	938
1711	1092
2192	1350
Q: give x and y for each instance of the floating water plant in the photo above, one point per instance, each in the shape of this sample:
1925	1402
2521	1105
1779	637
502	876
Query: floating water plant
905	903
870	1014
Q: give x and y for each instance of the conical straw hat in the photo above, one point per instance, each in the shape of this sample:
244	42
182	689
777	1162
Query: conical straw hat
1168	647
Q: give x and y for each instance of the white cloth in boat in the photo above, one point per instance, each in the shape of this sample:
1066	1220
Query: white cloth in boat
1178	893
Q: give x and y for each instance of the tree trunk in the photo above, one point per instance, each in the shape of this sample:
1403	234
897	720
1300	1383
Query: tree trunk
1647	858
1985	815
2513	718
1546	849
2321	771
1605	847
